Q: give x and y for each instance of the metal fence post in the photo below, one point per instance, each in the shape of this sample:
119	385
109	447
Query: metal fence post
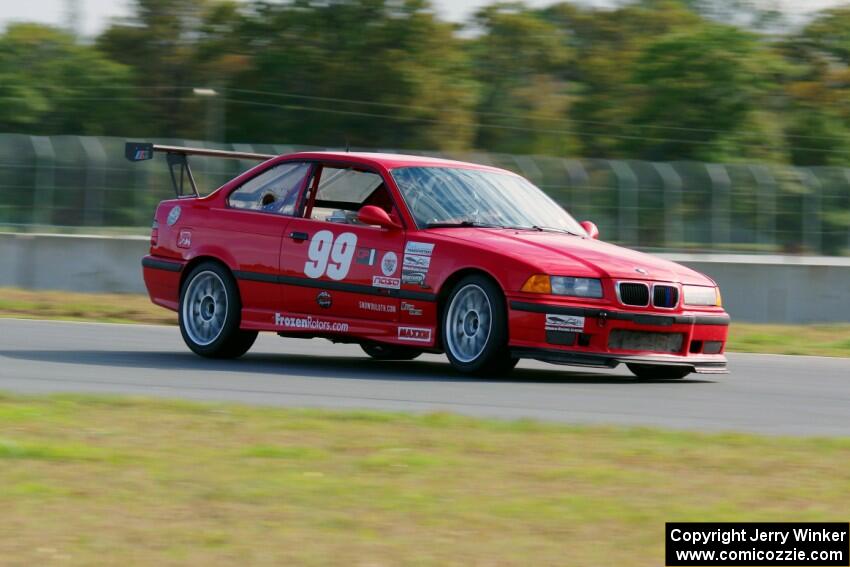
45	180
674	228
248	148
627	184
529	169
577	175
95	180
811	211
847	177
765	204
721	227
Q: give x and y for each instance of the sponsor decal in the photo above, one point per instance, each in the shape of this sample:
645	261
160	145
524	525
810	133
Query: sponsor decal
329	255
173	216
377	307
564	323
411	309
419	248
385	282
184	240
414	334
308	323
416	262
413	278
142	155
365	256
324	299
389	263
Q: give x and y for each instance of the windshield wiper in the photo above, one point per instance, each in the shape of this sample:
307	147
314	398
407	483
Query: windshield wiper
553	229
466	223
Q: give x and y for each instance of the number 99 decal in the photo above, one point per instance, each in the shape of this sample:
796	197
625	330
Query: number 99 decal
330	257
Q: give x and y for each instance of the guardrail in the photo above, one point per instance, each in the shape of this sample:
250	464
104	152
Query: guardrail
762	289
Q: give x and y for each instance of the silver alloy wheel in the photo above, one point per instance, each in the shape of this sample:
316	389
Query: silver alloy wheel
204	308
468	324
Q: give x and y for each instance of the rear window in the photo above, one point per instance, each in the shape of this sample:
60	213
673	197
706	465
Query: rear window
347	185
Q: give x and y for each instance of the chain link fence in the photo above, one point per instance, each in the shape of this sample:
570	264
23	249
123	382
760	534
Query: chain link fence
84	184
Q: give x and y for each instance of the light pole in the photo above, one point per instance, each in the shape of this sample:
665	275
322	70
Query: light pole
216	131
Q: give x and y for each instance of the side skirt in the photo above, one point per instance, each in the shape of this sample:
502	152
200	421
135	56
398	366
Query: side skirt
290	324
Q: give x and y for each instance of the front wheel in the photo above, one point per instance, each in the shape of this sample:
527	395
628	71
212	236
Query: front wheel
210	313
655	372
475	328
390	352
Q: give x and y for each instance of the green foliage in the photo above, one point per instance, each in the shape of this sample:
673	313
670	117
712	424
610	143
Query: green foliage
655	79
705	84
365	72
49	83
162	43
522	62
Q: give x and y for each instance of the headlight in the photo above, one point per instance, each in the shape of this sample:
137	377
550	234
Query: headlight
701	295
577	287
564	285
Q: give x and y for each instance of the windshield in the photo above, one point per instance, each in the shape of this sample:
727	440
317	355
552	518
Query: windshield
445	196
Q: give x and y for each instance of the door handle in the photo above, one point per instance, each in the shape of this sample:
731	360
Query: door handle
299	236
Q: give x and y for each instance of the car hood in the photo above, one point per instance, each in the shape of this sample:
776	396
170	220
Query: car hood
564	254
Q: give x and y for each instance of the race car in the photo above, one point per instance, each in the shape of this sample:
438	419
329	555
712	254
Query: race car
408	254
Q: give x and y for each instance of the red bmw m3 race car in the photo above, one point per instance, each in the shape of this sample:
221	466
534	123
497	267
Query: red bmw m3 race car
405	255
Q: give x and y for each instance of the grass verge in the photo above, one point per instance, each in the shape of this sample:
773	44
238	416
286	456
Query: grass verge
70	306
172	483
820	340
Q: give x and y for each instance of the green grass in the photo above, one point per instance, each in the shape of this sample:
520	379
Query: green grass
70	306
821	340
86	481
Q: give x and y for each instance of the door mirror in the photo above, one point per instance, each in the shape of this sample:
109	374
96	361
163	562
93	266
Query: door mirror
590	229
372	215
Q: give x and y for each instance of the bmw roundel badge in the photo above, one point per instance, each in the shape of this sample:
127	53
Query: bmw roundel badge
173	216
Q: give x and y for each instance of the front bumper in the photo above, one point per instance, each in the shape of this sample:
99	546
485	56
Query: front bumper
700	336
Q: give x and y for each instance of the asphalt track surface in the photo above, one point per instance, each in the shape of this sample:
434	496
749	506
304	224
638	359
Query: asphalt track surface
764	393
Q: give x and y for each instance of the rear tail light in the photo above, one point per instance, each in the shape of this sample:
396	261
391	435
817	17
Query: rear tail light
154	233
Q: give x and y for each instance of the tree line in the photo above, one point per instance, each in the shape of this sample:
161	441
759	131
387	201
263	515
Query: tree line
708	80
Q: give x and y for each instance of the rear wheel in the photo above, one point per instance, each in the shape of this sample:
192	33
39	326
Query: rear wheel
210	313
655	372
475	328
390	352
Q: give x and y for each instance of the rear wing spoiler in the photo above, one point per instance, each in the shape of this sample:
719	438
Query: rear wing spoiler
176	156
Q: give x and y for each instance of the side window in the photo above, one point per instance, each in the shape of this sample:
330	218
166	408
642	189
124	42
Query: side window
274	191
343	191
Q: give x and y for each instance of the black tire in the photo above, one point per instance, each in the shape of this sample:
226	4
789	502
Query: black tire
486	356
657	372
224	339
390	352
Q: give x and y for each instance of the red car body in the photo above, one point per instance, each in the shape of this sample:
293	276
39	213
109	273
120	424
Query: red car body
383	303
